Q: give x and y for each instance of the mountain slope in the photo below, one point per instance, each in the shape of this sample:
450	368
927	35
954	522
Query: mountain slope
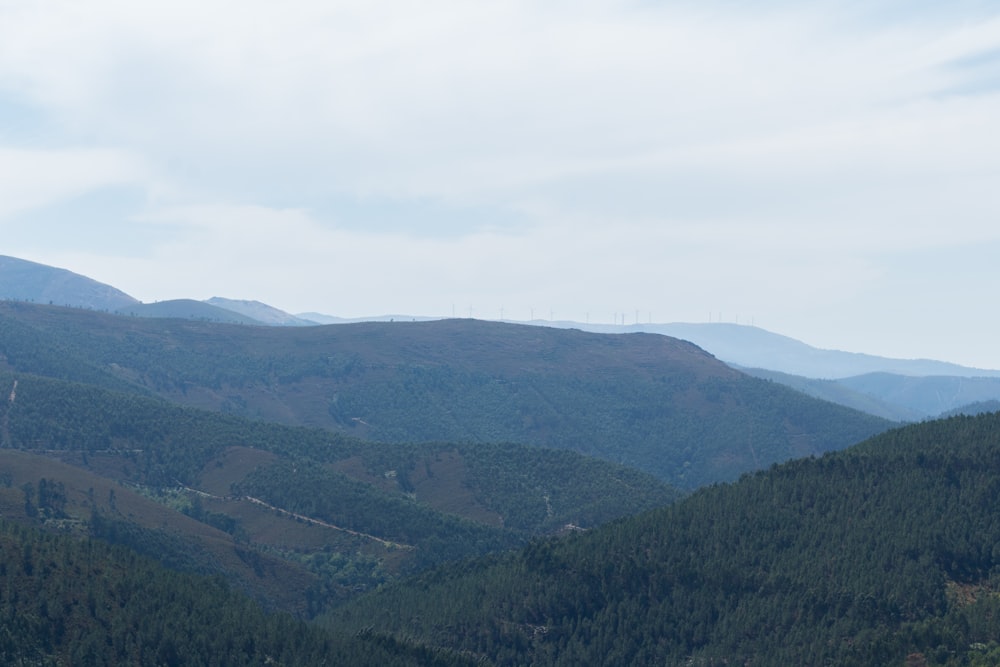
753	347
187	309
647	401
82	602
53	494
837	391
319	516
895	397
260	312
21	280
927	396
882	554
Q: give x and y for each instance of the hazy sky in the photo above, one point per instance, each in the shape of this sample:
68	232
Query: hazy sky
826	170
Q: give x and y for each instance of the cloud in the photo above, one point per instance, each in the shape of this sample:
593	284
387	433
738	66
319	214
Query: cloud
386	156
452	100
35	178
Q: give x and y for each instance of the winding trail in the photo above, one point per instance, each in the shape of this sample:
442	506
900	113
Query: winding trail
317	522
302	517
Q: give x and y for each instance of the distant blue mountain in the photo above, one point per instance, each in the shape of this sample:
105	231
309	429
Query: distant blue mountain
187	309
21	280
899	389
753	347
261	312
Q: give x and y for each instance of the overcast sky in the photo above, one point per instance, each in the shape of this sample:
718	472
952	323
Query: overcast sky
825	170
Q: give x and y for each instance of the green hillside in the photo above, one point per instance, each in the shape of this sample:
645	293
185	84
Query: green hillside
454	545
884	554
65	601
643	400
319	516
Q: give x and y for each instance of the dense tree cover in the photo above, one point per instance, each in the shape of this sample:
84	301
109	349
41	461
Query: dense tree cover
332	497
70	602
167	444
48	354
646	401
540	490
496	496
975	408
885	554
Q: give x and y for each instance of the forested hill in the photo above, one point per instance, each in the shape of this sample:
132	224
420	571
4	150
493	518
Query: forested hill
70	602
644	400
319	515
883	554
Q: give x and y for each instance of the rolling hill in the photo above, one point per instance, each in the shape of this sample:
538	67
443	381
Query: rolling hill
69	601
928	396
646	401
462	492
839	392
300	518
260	312
21	280
187	309
883	554
897	397
752	347
780	358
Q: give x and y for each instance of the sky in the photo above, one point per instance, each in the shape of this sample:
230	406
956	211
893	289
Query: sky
825	170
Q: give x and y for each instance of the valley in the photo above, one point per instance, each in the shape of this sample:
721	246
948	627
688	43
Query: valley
454	492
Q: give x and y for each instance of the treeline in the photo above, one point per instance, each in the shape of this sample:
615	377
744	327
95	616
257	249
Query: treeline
878	555
70	602
684	426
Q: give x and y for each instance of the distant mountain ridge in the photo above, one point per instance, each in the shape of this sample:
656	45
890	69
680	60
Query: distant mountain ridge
260	312
651	402
739	345
897	389
23	280
837	391
187	309
753	347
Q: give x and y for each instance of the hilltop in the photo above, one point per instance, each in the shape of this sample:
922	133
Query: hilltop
21	280
752	347
841	377
646	401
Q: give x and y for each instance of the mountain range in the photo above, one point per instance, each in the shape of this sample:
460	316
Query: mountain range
184	483
651	402
895	389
